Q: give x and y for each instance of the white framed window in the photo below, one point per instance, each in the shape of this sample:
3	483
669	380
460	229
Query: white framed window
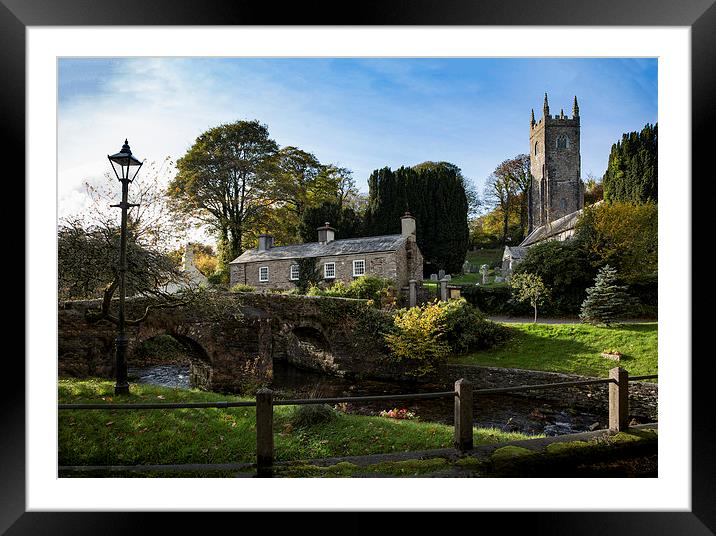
329	270
358	268
263	274
293	275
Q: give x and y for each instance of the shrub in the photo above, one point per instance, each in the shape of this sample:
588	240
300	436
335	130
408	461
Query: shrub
566	268
467	329
369	287
426	334
240	287
312	414
419	337
496	300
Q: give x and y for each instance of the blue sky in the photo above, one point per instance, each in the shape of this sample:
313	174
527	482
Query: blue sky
361	113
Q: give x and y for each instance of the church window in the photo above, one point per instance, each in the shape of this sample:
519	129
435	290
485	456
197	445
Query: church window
562	142
563	204
536	147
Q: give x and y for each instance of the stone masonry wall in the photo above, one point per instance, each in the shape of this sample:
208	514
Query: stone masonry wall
383	264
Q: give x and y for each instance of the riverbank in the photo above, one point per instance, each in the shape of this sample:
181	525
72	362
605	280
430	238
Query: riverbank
573	349
200	436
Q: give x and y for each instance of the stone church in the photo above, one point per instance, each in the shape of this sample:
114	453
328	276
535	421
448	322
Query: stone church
556	194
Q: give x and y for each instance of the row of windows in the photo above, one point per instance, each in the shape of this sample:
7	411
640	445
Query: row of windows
329	271
561	143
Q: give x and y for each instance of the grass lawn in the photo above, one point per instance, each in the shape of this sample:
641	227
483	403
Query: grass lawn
573	348
484	256
127	437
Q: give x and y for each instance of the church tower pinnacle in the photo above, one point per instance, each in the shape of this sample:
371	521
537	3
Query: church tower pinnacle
532	119
575	108
545	108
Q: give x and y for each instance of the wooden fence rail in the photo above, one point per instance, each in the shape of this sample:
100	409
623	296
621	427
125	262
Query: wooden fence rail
463	394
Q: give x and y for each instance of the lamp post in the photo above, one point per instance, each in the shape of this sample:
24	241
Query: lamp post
124	161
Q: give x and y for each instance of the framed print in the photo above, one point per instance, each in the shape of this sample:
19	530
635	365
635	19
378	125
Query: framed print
38	34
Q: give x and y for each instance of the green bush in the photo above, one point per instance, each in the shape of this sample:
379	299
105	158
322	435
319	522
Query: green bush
467	329
426	334
494	300
311	414
240	287
367	287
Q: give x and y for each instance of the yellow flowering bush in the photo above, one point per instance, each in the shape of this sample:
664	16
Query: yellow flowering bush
419	337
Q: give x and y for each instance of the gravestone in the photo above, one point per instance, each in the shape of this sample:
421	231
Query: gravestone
441	274
465	267
448	277
483	270
433	277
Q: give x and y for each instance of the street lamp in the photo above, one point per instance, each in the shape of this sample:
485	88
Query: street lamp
124	161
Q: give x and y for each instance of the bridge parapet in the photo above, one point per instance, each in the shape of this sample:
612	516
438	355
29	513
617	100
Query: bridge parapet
235	352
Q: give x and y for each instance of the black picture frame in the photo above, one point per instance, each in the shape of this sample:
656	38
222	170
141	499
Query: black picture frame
699	15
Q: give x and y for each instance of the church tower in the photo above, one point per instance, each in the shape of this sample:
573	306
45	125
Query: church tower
556	188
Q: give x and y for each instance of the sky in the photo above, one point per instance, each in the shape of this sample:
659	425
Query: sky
358	113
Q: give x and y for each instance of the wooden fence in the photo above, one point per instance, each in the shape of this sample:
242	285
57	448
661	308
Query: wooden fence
463	395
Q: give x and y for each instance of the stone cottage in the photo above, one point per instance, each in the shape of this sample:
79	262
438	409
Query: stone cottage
395	257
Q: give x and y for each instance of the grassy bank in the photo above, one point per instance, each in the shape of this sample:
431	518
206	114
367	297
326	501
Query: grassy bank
573	349
117	437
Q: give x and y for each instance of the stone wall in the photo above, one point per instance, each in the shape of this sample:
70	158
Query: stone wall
314	332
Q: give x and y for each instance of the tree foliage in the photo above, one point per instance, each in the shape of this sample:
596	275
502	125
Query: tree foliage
632	171
436	195
530	288
309	274
224	180
343	218
606	301
564	267
623	235
89	243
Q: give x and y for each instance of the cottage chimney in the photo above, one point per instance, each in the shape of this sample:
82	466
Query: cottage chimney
326	234
265	242
407	225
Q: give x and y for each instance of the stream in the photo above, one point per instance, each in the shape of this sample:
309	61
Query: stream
504	412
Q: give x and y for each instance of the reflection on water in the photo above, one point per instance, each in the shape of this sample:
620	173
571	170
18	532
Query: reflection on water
505	412
163	375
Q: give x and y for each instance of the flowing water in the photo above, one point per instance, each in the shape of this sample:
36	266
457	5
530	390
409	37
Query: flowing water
504	412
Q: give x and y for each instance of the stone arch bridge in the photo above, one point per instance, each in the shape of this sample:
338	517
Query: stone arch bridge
234	352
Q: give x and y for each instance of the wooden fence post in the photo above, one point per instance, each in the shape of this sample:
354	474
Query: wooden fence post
463	415
619	400
264	432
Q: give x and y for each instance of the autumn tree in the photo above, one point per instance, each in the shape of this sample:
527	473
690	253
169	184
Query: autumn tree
224	180
516	171
500	192
88	248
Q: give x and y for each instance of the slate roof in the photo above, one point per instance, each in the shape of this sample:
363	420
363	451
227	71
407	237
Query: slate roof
515	252
348	246
560	225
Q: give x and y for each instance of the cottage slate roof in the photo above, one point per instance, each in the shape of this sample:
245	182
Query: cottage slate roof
543	232
348	246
